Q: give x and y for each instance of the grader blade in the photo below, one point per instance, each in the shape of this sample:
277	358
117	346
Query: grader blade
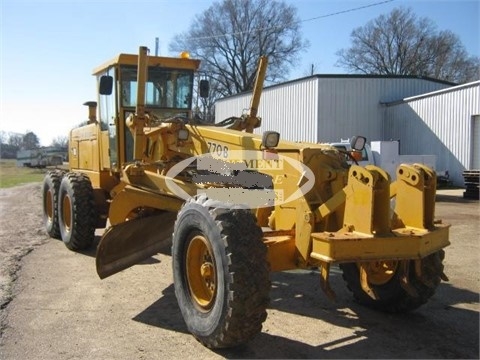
126	244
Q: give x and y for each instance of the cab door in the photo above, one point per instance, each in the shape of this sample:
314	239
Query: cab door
109	116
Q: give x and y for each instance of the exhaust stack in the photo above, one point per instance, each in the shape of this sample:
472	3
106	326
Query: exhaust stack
92	111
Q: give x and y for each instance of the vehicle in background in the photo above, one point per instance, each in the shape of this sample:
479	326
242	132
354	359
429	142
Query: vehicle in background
384	154
41	157
362	158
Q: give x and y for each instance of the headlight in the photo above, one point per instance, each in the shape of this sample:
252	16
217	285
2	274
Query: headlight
270	139
183	134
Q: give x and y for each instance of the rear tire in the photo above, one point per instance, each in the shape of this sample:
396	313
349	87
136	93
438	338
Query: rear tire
76	211
221	274
51	185
391	296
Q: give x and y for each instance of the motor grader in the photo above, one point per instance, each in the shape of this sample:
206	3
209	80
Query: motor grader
234	205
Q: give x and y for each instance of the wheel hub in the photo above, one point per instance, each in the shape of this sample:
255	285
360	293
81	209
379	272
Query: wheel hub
207	270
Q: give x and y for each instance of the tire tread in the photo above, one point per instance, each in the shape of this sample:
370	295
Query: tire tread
248	282
82	232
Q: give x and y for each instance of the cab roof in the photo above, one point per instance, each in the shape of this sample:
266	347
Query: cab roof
160	61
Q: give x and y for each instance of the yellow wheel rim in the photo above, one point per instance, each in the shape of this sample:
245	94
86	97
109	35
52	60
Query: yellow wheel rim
49	205
66	212
379	272
201	272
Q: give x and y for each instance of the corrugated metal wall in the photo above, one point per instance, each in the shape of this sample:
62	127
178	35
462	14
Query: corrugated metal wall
439	123
352	106
289	108
326	108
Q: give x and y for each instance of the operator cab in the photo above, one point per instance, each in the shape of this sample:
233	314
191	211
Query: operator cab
168	93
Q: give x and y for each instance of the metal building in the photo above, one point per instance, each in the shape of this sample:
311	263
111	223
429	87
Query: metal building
445	123
326	108
427	116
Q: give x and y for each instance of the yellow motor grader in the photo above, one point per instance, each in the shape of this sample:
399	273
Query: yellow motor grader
233	205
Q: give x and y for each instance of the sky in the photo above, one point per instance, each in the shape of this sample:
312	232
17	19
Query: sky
48	49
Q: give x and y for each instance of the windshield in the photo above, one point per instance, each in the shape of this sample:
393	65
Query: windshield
166	88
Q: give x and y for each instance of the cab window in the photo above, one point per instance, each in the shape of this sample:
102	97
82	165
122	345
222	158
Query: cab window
165	88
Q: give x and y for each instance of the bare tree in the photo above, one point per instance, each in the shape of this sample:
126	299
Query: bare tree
402	44
231	35
30	141
16	140
60	141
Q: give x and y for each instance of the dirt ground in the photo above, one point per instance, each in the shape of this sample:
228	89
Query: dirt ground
54	306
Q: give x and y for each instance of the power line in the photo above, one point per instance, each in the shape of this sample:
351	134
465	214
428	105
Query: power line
297	22
347	11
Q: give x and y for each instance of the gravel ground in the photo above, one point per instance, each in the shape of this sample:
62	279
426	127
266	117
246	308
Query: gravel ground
53	306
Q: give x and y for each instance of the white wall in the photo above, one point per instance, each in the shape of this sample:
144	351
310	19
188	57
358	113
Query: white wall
327	108
351	106
438	123
288	108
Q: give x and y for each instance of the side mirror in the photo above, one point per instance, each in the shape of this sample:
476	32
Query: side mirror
204	88
106	85
358	143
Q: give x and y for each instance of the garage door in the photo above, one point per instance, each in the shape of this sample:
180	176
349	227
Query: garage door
476	142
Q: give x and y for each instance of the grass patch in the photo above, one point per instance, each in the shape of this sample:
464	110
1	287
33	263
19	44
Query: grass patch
11	175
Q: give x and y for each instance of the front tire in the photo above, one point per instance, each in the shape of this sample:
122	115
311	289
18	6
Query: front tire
76	211
384	278
50	188
221	275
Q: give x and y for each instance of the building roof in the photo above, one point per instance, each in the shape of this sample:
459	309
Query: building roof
433	93
346	76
